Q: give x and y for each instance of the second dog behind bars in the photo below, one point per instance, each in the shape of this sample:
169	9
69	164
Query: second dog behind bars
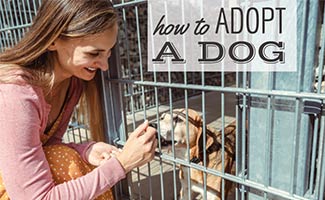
212	148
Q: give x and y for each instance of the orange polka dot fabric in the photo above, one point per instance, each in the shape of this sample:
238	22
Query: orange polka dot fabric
3	193
65	164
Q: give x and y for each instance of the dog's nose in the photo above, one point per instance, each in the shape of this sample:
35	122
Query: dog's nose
153	125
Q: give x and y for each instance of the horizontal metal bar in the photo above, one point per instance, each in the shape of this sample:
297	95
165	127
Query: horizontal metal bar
282	93
236	179
15	27
138	93
76	125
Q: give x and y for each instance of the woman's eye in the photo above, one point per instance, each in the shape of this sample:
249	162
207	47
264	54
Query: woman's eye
93	54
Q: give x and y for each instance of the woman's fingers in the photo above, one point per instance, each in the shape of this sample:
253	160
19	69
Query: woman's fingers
139	148
139	131
149	135
101	146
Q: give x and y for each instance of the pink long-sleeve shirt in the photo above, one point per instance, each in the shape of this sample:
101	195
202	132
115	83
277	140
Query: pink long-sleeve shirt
23	166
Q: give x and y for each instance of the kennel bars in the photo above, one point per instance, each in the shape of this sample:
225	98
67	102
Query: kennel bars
291	164
285	162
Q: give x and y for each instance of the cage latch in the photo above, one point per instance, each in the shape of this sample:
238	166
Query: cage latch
240	100
313	107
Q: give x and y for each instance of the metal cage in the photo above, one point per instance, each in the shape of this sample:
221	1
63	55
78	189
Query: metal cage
279	116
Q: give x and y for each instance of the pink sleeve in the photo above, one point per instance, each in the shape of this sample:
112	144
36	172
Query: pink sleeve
23	166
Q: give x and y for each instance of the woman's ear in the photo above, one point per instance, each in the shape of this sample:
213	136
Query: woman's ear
53	46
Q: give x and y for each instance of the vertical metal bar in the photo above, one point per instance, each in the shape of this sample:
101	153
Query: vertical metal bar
320	181
313	156
142	88
79	134
73	135
35	7
24	17
131	90
111	126
320	174
173	143
243	136
243	139
12	24
171	110
2	46
189	183
172	134
223	138
25	13
5	25
238	130
115	125
159	142
21	30
125	27
321	58
223	120
157	110
29	12
204	131
243	123
269	130
305	79
87	136
237	191
18	20
2	26
7	22
69	131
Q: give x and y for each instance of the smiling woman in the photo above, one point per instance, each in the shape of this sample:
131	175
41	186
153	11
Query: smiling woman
42	79
81	57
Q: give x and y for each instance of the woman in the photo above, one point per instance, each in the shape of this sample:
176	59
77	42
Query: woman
41	80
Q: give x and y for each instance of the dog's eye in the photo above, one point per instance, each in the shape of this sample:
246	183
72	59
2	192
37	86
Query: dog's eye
162	116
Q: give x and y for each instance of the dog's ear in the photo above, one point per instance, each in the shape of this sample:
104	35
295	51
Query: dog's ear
199	143
197	149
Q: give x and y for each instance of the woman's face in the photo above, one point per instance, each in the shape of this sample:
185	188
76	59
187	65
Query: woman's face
82	57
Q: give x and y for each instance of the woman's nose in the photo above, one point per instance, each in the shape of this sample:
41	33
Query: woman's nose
102	64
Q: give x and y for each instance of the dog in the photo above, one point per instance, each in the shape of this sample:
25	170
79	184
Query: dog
213	149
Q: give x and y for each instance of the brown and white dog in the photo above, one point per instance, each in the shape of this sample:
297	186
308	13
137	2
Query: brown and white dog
177	122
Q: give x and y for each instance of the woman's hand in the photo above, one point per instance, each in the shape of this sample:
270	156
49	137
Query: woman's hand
139	148
99	152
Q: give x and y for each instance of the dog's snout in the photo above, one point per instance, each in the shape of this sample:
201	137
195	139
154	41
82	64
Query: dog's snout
153	125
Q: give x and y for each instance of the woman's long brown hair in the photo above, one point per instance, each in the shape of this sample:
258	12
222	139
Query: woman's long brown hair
59	18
